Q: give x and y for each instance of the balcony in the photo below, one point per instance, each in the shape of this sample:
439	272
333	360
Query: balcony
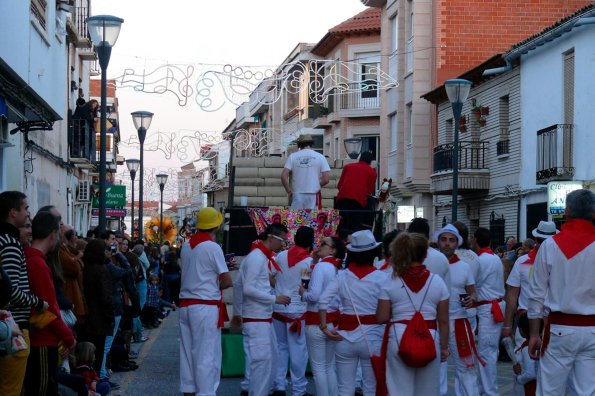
76	28
474	176
319	115
554	153
243	118
81	144
360	100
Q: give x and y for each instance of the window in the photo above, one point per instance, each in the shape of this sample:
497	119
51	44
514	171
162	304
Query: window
568	94
449	131
503	144
393	132
39	12
369	66
393	59
409	124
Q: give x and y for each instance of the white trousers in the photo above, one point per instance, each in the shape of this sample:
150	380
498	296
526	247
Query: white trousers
260	346
200	350
303	201
465	378
402	380
488	345
322	360
291	348
569	358
347	355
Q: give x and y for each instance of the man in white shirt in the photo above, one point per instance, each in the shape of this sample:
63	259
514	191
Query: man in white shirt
490	304
562	283
435	262
288	320
257	307
518	280
202	312
462	295
309	173
470	257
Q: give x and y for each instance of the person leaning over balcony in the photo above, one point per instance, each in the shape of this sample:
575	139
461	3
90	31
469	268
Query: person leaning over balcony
355	185
562	283
309	173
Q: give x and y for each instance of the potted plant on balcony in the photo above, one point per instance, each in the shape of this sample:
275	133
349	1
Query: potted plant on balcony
480	114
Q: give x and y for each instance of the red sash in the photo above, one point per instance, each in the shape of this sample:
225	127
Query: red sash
415	277
385	264
256	320
466	342
333	260
319	200
563	319
496	310
532	254
223	317
312	318
296	323
430	323
269	255
361	271
349	322
453	259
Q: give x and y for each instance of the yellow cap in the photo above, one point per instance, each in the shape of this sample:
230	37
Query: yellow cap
208	218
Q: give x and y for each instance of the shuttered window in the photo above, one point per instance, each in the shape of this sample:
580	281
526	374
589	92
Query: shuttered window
39	12
568	96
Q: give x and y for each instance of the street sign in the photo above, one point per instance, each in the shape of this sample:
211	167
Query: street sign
115	196
556	195
111	212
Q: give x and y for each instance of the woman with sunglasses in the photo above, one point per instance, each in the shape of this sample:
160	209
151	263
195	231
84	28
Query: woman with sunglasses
321	349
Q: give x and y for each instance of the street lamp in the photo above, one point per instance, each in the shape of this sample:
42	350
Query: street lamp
161	179
353	146
457	90
104	31
133	165
142	122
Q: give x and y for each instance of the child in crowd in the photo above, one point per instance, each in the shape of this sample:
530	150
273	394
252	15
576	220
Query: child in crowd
152	309
84	356
526	368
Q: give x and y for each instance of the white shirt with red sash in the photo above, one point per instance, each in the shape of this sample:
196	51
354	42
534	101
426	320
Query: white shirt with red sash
519	277
490	283
460	276
322	275
257	295
288	281
201	267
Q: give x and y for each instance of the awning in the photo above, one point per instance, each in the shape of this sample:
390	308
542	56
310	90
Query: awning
22	103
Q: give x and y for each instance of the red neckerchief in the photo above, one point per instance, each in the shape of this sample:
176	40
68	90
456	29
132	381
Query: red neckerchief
532	254
453	259
200	237
576	234
415	277
524	344
295	254
361	270
269	255
385	264
333	260
484	250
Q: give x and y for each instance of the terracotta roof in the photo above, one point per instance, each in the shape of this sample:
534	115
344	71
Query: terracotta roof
366	22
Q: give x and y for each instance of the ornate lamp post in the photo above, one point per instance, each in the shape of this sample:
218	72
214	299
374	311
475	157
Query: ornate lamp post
104	31
161	179
133	165
457	90
142	122
353	146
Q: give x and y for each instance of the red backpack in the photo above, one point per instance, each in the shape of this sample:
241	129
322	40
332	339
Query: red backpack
417	347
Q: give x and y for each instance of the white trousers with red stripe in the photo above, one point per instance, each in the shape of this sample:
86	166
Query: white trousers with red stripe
260	346
488	346
200	350
347	356
465	378
291	348
568	359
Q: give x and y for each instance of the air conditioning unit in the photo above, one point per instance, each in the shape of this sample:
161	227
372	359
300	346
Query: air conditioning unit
84	191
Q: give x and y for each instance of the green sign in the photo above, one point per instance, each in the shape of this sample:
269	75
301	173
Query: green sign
115	196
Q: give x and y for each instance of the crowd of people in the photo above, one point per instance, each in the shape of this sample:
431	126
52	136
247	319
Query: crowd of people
70	308
389	326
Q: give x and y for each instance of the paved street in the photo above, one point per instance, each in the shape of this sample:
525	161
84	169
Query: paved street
158	374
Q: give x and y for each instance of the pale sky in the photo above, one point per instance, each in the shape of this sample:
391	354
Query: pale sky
248	33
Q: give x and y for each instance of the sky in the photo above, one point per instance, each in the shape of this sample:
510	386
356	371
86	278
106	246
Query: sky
253	34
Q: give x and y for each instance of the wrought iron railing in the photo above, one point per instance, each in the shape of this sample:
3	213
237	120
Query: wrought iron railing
81	140
471	155
80	21
554	153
